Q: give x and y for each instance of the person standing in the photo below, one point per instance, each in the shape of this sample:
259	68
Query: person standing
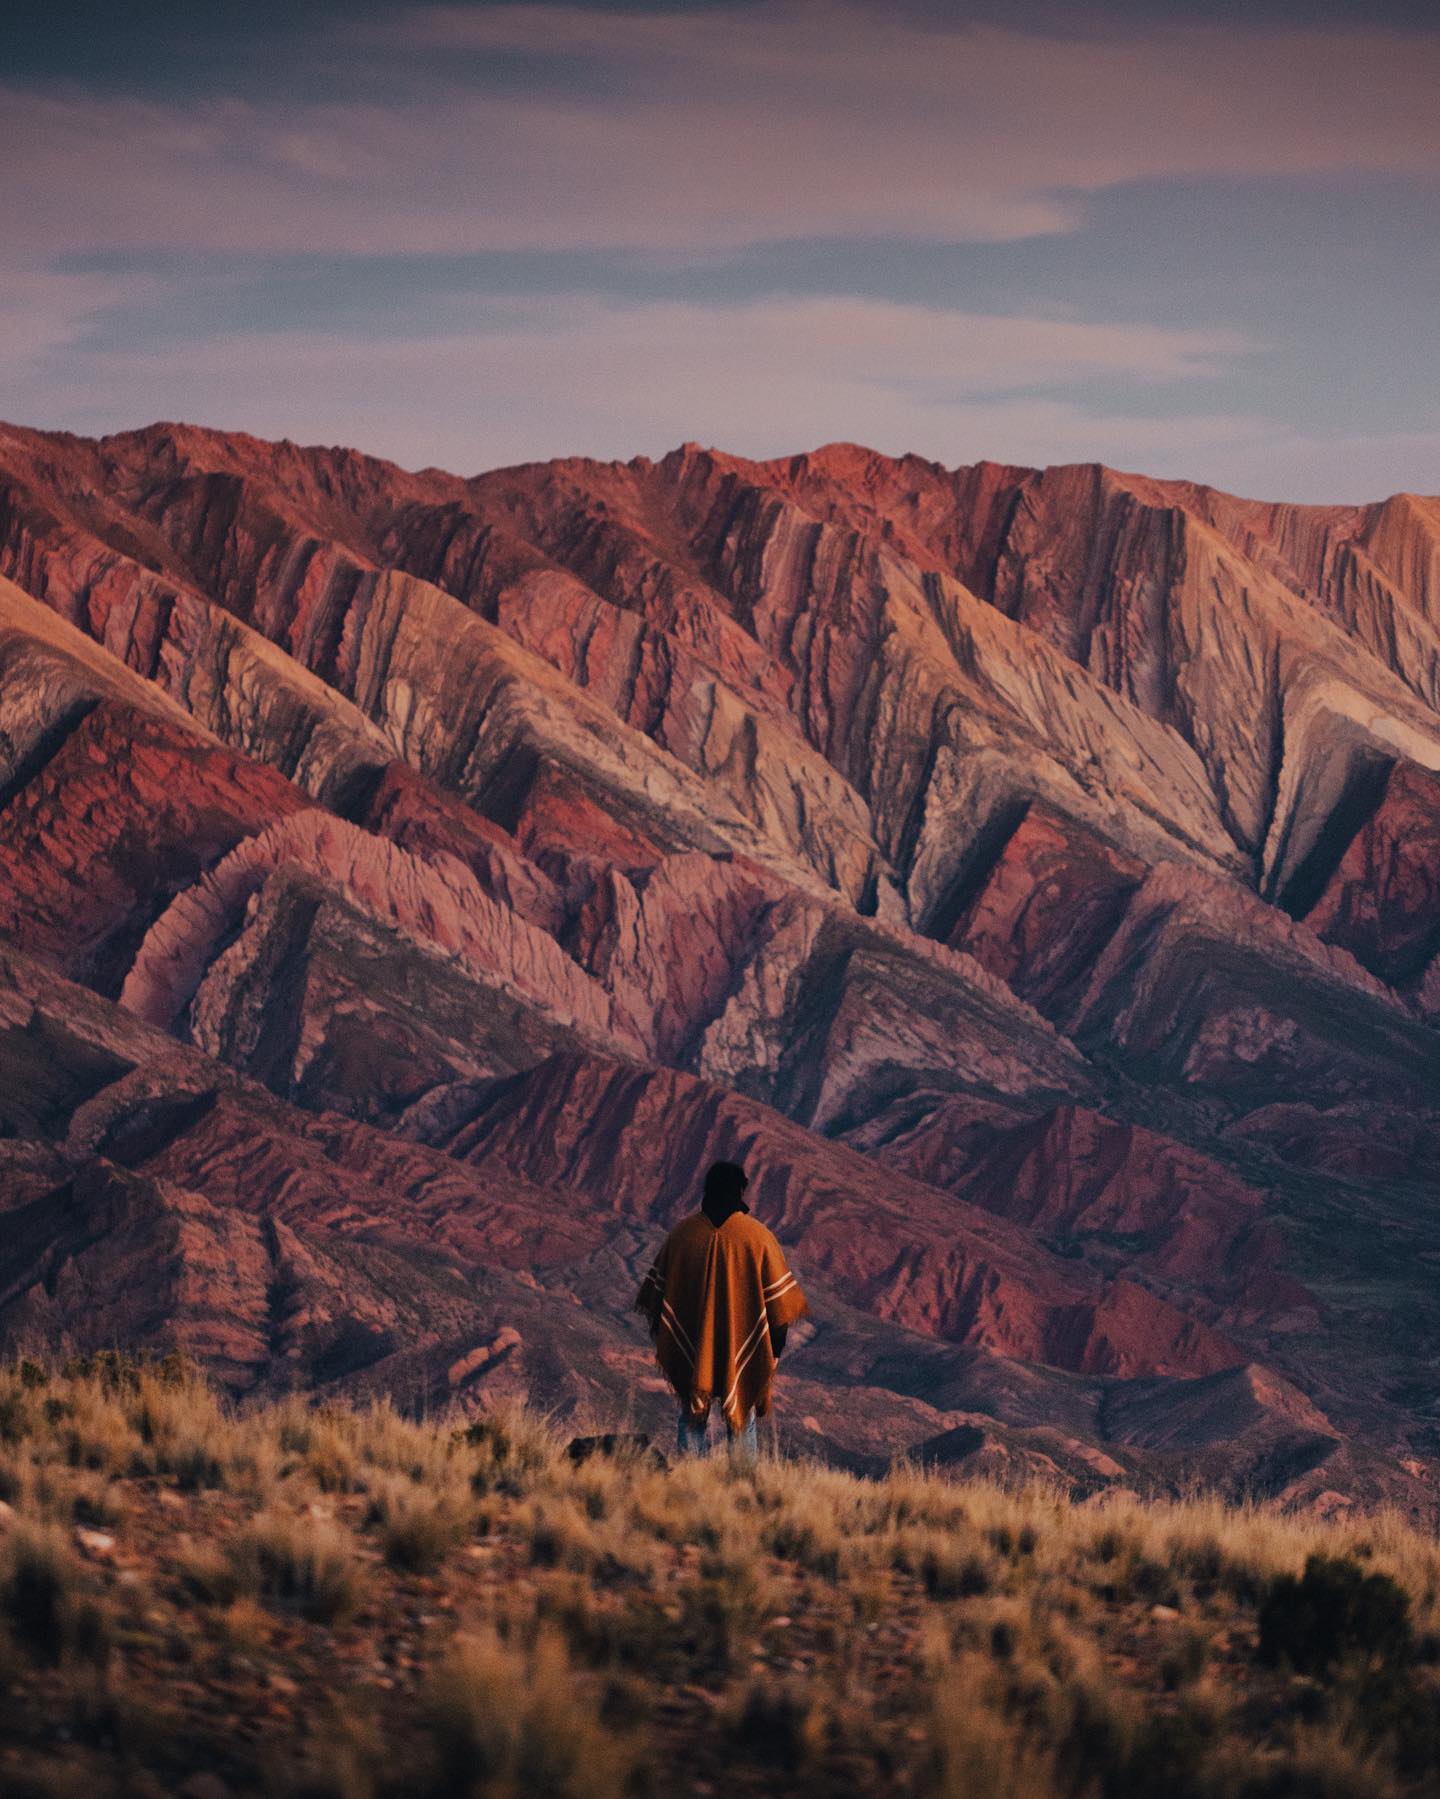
720	1299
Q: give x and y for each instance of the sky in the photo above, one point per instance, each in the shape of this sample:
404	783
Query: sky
1193	240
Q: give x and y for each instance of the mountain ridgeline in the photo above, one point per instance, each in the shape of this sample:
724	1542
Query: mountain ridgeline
409	883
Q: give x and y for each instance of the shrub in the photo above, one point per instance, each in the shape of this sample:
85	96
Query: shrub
1184	1662
504	1720
252	1459
97	1501
811	1541
180	1423
781	1726
949	1568
507	1450
970	1749
43	1602
1201	1558
301	1563
950	1572
210	1577
562	1536
19	1410
118	1371
345	1758
418	1528
721	1611
1332	1612
17	1476
1012	1542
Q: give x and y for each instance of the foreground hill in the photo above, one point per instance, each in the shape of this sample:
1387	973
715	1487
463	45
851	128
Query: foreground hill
410	883
340	1602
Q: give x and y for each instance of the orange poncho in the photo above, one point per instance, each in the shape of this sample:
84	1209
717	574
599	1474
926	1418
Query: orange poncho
712	1296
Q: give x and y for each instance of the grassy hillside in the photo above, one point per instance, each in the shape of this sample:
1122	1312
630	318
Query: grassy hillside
324	1601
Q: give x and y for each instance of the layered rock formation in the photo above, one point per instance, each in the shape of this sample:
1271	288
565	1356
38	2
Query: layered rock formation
410	882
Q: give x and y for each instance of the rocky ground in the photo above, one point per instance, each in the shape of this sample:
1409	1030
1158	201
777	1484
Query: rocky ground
330	1601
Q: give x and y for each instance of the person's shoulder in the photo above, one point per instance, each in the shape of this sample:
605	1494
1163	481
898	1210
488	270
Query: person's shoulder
753	1231
694	1225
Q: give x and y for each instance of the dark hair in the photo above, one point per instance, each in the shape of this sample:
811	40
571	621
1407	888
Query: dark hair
725	1181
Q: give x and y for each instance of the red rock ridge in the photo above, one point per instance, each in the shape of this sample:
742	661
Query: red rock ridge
1030	872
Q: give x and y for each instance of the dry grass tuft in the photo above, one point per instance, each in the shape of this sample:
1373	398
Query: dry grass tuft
781	1725
44	1602
562	1535
951	1567
510	1451
971	1749
418	1526
307	1565
509	1720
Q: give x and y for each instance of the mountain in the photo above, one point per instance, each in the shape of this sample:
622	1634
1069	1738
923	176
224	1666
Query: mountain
411	882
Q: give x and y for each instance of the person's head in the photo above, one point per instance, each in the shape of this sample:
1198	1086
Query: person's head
725	1184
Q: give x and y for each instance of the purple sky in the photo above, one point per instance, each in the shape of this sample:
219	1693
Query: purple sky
1192	241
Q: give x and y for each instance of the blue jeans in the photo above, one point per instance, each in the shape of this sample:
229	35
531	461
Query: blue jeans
692	1439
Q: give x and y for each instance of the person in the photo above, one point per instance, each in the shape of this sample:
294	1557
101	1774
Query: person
720	1300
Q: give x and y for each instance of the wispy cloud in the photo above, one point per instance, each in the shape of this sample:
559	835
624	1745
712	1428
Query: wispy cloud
799	136
562	375
705	127
44	311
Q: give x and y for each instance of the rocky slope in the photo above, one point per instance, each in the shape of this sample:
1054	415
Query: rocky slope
328	1597
410	882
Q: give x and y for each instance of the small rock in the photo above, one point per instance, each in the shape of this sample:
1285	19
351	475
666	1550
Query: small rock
1162	1614
94	1542
7	1515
